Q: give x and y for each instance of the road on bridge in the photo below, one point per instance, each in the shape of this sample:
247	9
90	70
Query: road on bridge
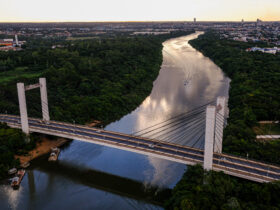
236	166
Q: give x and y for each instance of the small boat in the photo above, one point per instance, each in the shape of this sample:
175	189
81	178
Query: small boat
17	179
186	82
12	171
54	154
25	165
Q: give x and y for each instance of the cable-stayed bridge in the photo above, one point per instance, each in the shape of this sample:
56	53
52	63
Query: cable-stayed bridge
194	137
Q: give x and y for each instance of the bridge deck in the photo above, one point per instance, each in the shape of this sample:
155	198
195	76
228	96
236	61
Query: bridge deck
235	166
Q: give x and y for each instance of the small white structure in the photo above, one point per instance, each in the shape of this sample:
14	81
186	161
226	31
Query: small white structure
22	102
16	38
209	137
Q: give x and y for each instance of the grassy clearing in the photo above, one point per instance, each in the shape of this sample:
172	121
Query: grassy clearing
267	129
7	76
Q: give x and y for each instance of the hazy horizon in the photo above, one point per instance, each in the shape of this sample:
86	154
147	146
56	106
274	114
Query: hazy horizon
138	11
137	21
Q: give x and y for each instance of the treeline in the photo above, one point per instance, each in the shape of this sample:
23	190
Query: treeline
12	142
199	189
100	79
253	95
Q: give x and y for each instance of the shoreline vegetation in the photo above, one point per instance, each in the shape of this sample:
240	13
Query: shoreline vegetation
253	97
101	79
199	189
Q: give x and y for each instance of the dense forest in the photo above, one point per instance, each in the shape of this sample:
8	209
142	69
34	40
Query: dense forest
101	79
253	95
199	189
98	79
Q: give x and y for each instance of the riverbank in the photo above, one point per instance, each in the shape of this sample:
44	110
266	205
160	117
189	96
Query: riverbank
200	189
43	146
254	95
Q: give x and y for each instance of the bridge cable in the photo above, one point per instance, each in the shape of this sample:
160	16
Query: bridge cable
176	128
199	133
201	123
180	135
186	128
181	121
202	142
179	139
180	115
202	134
183	136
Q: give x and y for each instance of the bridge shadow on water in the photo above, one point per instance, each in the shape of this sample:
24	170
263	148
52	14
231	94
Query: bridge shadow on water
104	181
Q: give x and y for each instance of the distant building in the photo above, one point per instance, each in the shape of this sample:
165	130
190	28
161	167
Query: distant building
240	39
6	42
258	22
194	20
10	44
264	50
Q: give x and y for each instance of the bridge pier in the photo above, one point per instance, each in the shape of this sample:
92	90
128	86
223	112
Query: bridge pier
44	99
209	137
220	120
22	102
22	108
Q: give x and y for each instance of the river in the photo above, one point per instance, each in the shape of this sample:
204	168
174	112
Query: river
90	176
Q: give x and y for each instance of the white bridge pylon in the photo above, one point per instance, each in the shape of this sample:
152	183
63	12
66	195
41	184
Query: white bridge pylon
22	102
215	121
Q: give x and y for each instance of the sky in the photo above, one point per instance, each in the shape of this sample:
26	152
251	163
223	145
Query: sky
138	10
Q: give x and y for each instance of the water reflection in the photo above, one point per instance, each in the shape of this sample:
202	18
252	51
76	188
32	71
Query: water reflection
186	80
12	197
171	95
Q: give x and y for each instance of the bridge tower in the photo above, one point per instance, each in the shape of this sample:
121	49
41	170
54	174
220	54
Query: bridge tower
215	120
220	119
209	137
44	99
22	108
22	102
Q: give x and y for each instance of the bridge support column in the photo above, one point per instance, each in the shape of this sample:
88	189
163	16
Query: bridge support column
209	137
44	99
220	120
22	108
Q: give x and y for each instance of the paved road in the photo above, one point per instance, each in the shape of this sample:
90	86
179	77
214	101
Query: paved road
235	166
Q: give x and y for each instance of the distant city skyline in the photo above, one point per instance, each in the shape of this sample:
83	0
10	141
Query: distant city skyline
144	10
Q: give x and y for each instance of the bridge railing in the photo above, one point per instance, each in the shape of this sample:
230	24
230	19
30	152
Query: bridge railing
178	156
250	160
243	174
